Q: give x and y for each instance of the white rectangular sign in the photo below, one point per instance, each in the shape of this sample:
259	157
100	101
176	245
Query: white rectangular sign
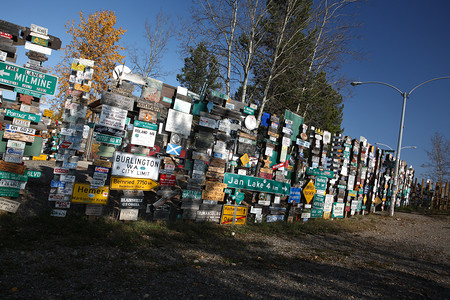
15	144
179	122
129	214
37	48
9	205
113	117
143	137
15	128
137	166
21	122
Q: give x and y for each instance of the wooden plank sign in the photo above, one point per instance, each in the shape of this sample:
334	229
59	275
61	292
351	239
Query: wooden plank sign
18	136
12	167
214	191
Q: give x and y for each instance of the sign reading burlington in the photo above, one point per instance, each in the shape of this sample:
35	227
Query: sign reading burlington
137	166
27	79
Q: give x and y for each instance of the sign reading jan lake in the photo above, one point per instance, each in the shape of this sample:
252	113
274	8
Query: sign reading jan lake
137	166
27	79
256	184
113	117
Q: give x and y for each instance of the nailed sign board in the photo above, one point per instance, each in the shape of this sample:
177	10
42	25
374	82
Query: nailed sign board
179	122
108	139
117	100
12	168
9	205
214	191
18	136
137	166
143	137
126	183
309	191
82	193
256	184
22	115
113	117
234	214
295	195
129	214
109	131
145	125
31	80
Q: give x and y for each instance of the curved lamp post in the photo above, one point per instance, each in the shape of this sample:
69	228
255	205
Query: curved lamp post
405	96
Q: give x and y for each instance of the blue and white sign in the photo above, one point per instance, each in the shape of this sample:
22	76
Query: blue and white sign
173	149
295	195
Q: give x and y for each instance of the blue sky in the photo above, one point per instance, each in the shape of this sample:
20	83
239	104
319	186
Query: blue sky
406	42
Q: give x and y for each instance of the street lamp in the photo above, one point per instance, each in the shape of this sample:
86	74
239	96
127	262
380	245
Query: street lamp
405	96
405	147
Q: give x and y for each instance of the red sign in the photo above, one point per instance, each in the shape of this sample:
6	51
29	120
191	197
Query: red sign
65	144
61	171
277	166
5	35
167	180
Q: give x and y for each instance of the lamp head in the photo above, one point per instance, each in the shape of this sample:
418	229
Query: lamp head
355	83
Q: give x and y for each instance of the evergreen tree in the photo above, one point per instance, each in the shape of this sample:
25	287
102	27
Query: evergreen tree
200	67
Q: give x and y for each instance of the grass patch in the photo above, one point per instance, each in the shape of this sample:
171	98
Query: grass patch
45	231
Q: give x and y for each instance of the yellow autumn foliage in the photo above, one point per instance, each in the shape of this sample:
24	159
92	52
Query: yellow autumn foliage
94	38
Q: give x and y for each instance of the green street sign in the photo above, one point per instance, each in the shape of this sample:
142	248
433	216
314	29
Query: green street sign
9	192
228	191
316	213
145	125
33	174
22	115
256	184
249	110
219	95
27	79
39	41
319	172
196	195
321	183
108	139
13	176
27	92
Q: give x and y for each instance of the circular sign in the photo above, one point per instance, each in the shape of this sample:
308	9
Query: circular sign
250	122
175	139
303	136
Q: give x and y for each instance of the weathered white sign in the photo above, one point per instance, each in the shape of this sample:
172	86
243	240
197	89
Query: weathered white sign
179	122
15	128
143	137
129	214
137	166
113	117
9	205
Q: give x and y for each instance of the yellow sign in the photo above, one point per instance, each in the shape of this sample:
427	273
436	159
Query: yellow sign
82	193
214	191
245	159
126	183
377	200
309	191
40	157
48	113
365	199
229	217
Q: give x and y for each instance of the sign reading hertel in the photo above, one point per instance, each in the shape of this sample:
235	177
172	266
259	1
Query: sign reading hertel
256	184
31	80
137	166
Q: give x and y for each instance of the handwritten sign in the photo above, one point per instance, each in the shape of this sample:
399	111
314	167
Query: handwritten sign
214	191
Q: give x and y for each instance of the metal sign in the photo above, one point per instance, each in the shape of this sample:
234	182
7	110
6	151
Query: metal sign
179	122
137	166
117	100
126	183
309	191
256	184
295	195
9	205
143	137
108	139
319	172
145	125
234	214
15	128
82	193
22	115
113	117
27	79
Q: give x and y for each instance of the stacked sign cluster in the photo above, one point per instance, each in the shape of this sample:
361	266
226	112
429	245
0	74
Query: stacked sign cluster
71	137
23	125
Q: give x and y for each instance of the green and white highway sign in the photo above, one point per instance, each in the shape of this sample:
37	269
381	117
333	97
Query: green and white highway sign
19	77
256	184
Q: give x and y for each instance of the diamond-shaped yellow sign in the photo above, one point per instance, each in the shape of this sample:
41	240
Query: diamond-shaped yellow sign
245	159
309	191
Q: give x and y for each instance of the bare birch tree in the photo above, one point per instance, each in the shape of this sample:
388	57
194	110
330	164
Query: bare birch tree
147	62
439	159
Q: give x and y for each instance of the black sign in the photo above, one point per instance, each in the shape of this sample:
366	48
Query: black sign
109	131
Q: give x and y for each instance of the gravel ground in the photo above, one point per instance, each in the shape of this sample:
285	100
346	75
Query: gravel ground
404	257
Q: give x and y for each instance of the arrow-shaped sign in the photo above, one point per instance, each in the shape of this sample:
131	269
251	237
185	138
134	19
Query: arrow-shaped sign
2	72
